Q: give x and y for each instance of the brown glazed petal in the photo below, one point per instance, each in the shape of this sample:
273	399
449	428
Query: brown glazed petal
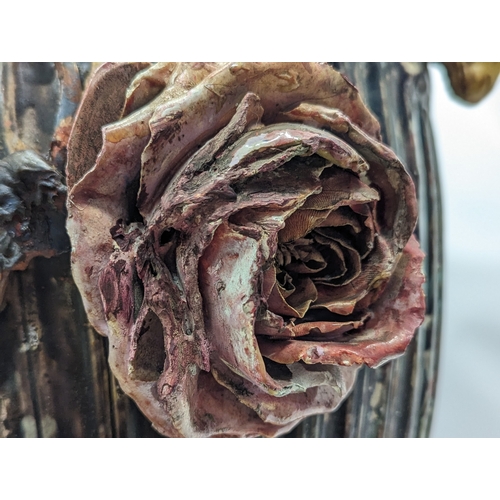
242	238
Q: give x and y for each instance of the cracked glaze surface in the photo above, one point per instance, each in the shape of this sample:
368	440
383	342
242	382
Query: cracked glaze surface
243	239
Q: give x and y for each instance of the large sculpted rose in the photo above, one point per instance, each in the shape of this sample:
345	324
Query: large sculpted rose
242	238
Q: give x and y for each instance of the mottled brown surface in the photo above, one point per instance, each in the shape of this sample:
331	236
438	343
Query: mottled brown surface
472	81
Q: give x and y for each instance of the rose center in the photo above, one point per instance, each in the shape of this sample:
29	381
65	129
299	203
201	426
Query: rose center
318	252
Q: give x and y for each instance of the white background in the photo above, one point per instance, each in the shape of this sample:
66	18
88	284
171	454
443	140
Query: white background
468	147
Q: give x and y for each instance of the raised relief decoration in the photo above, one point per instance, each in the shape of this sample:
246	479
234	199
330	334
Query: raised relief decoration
242	237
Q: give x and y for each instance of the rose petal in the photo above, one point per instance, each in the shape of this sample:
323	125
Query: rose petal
98	190
377	268
300	223
341	188
147	85
229	273
310	260
350	256
180	124
317	392
220	413
397	209
294	304
165	80
321	330
102	104
342	216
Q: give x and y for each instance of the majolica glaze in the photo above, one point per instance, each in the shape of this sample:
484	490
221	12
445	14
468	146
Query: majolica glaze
243	238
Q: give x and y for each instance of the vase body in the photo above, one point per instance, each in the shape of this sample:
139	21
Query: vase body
54	377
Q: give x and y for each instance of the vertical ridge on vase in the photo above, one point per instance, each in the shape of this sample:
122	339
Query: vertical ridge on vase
435	267
18	412
395	84
416	92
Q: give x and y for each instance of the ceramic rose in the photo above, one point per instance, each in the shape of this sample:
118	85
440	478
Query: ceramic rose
242	237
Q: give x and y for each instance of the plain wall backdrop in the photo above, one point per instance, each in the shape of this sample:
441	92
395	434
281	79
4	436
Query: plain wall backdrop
468	148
